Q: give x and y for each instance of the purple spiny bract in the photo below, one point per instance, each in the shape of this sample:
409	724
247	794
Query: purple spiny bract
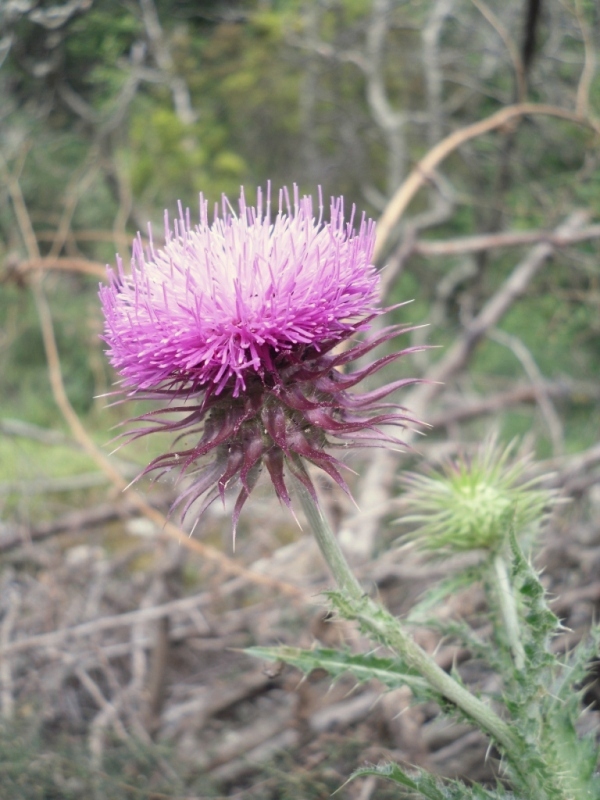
232	324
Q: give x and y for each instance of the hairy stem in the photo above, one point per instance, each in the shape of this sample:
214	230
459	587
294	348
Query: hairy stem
508	608
329	545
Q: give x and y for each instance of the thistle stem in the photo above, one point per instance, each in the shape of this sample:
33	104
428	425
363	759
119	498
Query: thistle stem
508	609
329	545
387	629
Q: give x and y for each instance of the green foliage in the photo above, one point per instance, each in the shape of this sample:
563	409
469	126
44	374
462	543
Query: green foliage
424	784
173	161
542	699
26	391
540	623
166	161
97	42
390	672
439	592
563	742
253	88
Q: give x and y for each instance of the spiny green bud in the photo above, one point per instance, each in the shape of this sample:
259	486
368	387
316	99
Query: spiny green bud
473	502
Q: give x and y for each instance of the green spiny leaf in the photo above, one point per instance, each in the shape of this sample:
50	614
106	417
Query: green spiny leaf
541	621
436	595
423	783
463	634
561	708
391	673
426	785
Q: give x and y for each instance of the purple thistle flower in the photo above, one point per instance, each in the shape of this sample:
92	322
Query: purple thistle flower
233	324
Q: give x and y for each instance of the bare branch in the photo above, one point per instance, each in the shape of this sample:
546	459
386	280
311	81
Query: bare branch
94	236
77	104
465	410
475	244
440	209
458	355
108	715
14	535
16	427
390	121
6	628
68	483
81	265
129	618
421	174
58	15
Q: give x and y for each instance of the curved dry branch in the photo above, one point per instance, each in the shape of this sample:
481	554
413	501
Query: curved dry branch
422	173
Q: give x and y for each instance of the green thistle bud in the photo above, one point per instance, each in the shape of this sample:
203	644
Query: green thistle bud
472	502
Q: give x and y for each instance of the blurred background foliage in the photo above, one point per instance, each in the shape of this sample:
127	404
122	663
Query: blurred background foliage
113	111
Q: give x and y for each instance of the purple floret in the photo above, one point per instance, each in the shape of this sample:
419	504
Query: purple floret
220	300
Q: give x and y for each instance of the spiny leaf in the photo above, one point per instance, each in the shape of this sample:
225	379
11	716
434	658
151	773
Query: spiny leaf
537	625
388	671
562	742
449	586
423	783
426	785
463	634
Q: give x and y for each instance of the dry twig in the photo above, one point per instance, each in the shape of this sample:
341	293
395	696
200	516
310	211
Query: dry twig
490	241
421	174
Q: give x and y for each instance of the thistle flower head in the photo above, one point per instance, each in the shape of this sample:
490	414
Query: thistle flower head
472	503
232	325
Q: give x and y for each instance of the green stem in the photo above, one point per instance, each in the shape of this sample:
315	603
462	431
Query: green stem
508	608
387	628
329	545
